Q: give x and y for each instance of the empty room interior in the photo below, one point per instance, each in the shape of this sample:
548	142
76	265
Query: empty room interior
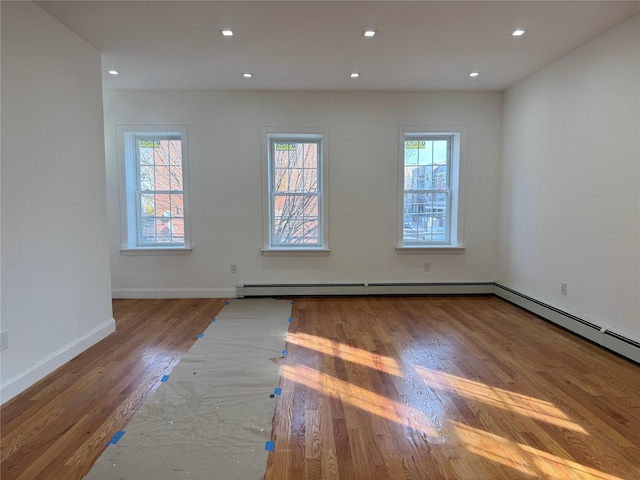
291	240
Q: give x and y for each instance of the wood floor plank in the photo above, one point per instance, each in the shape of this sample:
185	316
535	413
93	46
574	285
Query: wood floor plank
459	388
58	427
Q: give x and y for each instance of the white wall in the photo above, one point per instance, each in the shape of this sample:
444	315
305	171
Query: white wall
55	268
226	191
570	206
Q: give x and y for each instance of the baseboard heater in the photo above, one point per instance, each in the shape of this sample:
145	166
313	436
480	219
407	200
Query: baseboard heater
357	289
596	333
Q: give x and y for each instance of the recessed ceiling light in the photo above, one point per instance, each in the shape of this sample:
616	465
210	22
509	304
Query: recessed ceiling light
518	33
354	75
474	74
247	75
113	72
369	33
227	32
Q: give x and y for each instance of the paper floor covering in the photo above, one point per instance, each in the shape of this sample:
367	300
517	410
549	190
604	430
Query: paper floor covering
212	417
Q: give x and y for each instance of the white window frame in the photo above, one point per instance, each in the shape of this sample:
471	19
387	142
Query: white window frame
292	135
129	208
454	239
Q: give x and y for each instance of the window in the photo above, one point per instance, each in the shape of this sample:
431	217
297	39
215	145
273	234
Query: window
295	207
429	194
154	198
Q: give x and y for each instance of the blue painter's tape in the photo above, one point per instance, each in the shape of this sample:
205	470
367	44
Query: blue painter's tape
213	320
201	335
270	446
226	303
284	352
165	378
290	319
292	303
116	438
278	391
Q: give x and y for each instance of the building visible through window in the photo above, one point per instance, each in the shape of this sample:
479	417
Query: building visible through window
429	189
296	200
159	191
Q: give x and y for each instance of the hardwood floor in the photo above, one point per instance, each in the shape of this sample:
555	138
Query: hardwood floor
372	388
58	428
449	388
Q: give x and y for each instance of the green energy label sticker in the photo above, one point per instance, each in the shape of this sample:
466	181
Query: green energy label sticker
415	144
285	147
150	143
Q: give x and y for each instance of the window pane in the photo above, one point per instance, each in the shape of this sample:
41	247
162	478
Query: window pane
147	205
295	167
145	155
163	229
177	225
425	217
440	150
281	180
147	178
148	230
177	205
440	178
161	153
162	178
295	220
175	152
175	174
418	152
437	217
163	205
418	178
414	215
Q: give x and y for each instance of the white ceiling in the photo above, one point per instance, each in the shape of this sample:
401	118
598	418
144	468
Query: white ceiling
315	45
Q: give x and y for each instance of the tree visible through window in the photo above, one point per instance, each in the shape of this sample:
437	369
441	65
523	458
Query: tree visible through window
295	210
295	193
154	200
159	191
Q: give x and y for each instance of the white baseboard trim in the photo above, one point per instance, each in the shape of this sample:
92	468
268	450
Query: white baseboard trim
173	293
361	289
20	382
598	334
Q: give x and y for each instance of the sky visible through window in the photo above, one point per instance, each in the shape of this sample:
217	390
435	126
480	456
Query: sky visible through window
426	197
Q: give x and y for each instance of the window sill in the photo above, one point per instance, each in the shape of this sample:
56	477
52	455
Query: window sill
295	252
156	251
430	249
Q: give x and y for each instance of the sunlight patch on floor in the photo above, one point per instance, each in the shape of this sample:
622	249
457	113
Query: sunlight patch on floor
346	353
525	459
362	398
500	398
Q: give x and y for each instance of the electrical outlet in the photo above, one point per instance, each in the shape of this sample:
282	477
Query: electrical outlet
4	340
427	267
234	268
563	288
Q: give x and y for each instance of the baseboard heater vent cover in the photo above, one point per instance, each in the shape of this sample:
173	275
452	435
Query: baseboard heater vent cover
357	289
596	333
